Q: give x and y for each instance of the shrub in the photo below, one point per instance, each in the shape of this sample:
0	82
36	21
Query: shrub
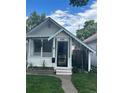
77	70
94	69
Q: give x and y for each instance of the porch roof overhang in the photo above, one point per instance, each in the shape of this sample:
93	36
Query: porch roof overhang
72	36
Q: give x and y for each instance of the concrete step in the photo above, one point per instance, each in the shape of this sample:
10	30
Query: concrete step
67	71
63	71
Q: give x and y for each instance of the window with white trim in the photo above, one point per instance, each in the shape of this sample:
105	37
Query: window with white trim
37	47
47	48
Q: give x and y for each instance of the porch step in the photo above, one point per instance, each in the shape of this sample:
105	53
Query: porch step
63	71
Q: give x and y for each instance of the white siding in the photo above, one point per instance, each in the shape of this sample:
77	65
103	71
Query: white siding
93	59
38	61
93	45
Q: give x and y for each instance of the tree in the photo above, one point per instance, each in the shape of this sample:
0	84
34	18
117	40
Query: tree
78	3
33	20
90	27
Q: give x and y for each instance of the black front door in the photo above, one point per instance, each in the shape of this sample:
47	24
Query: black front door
62	54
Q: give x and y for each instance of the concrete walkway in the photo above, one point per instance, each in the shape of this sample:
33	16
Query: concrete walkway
67	85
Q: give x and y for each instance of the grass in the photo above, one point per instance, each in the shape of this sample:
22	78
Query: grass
85	82
43	84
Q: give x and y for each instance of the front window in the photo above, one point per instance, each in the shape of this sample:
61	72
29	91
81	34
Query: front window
47	45
37	47
47	48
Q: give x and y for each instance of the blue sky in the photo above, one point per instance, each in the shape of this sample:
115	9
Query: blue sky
63	13
48	6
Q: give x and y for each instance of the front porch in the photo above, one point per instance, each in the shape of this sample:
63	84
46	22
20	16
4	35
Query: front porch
57	53
50	53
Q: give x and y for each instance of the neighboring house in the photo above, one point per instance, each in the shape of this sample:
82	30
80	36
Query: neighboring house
52	45
92	42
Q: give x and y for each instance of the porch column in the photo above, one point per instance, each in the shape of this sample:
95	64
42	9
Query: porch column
53	47
54	53
89	61
70	52
41	48
29	50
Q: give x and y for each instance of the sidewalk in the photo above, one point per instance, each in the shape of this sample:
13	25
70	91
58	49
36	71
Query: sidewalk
67	85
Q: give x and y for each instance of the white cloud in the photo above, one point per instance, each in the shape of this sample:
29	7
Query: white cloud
72	22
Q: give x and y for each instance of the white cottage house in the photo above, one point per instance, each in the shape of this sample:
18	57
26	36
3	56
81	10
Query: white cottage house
52	45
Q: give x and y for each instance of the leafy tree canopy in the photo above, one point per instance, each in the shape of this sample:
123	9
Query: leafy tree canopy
34	19
90	27
78	3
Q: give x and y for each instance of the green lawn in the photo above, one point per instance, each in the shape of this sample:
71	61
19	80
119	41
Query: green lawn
43	84
85	82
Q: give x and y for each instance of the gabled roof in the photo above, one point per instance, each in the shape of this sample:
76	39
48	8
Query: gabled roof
91	38
33	29
61	30
74	37
42	31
